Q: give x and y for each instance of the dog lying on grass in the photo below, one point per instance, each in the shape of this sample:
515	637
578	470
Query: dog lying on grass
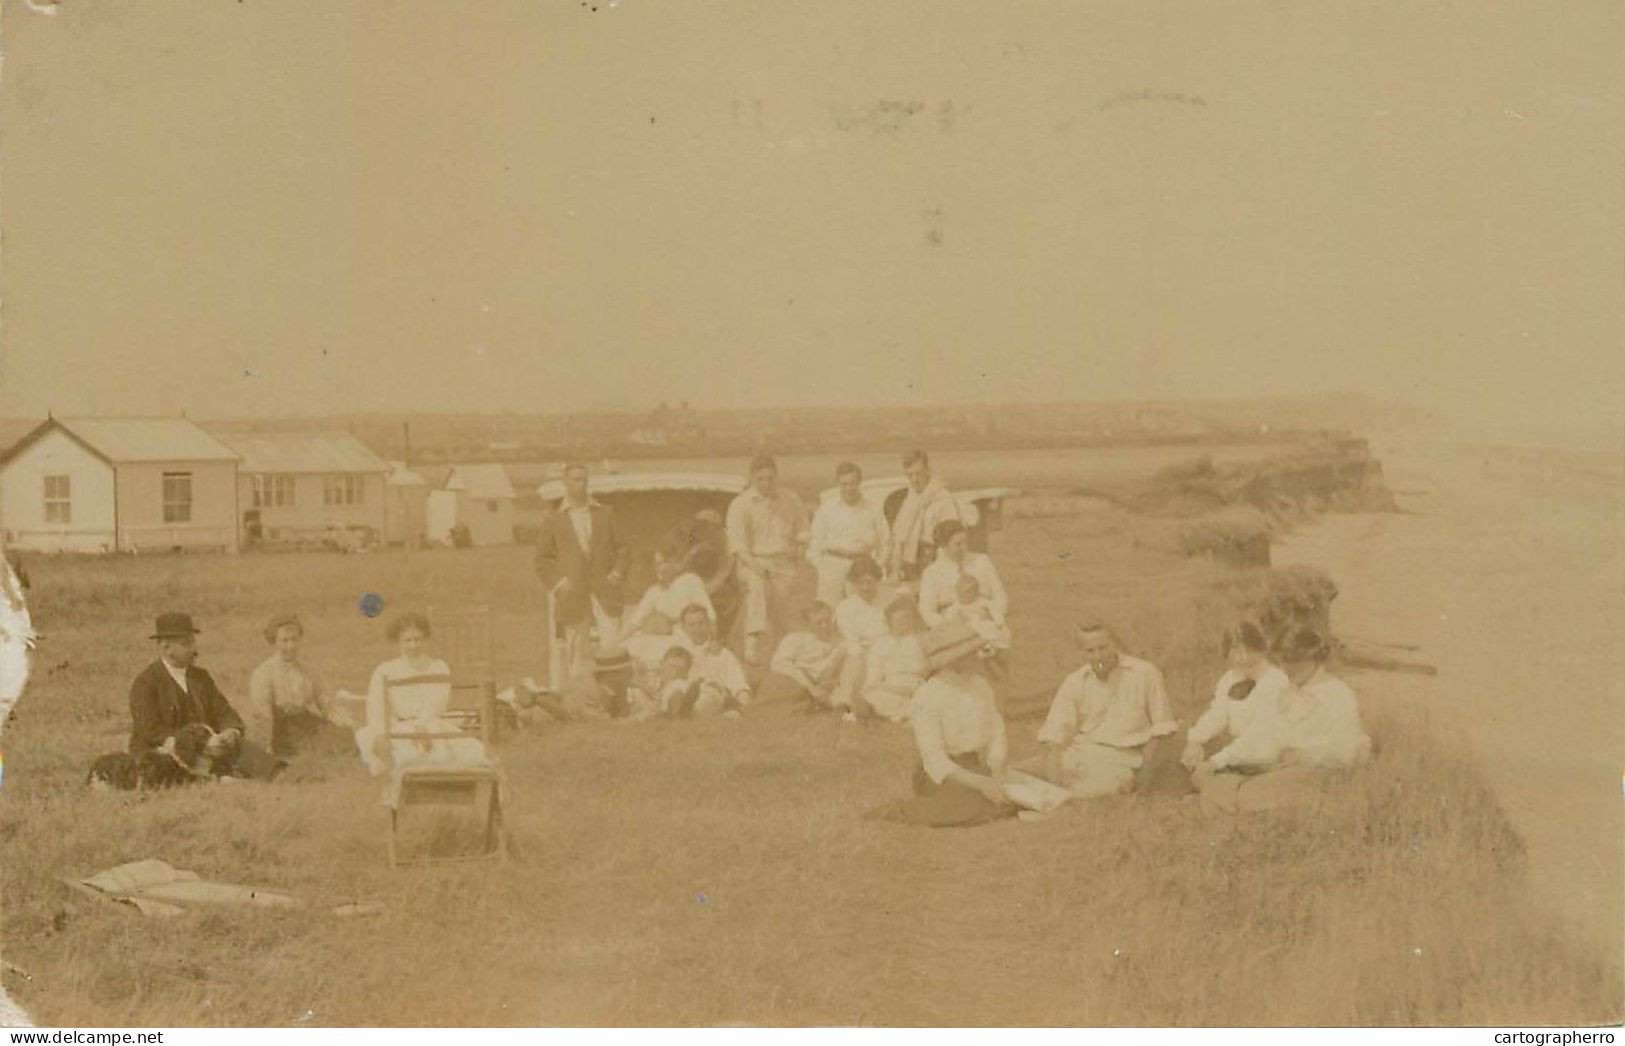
186	758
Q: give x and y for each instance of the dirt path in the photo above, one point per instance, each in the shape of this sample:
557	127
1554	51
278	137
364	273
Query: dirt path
1508	576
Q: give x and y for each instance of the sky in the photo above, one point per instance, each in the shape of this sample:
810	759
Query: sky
304	208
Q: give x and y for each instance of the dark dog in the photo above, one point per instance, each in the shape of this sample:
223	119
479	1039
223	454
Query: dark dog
183	760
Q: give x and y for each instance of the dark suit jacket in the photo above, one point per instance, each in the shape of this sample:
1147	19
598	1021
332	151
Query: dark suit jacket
559	554
158	707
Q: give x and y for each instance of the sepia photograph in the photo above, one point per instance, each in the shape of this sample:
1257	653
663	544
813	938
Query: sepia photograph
922	514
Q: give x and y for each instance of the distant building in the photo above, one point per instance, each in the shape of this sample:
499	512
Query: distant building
478	497
405	497
299	487
119	484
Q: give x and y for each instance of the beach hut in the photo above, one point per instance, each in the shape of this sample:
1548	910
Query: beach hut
311	488
475	499
405	497
119	484
649	504
982	509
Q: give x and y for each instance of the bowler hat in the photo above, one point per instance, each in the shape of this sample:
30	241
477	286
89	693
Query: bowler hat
948	642
174	626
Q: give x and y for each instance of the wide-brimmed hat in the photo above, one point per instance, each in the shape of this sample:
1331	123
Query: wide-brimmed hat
948	642
174	626
611	659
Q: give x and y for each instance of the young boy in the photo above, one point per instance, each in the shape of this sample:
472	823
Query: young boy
807	665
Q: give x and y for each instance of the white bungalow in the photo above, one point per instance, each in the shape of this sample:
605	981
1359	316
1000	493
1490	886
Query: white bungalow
478	497
118	484
309	487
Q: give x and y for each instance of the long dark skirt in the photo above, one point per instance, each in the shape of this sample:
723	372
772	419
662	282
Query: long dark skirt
946	805
301	733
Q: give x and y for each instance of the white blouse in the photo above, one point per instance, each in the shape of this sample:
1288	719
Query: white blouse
1227	713
937	585
671	600
954	714
861	624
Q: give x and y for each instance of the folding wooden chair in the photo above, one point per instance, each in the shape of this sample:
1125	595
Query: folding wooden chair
465	638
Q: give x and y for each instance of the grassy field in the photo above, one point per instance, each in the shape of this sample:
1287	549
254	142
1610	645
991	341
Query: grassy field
709	872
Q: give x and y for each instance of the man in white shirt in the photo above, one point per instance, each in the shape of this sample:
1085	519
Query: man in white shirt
723	689
927	504
766	528
583	561
1102	717
845	528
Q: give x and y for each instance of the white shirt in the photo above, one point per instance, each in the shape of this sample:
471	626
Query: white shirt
983	619
177	674
840	527
955	714
719	668
581	521
671	600
766	526
860	623
1316	724
1125	710
1227	713
807	659
937	585
896	663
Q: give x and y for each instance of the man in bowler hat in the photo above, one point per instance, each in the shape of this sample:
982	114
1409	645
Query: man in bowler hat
173	692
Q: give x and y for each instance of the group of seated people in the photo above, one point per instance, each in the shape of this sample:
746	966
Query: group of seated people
857	648
1284	719
907	631
184	730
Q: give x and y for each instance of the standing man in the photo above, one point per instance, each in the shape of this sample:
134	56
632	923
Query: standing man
845	528
766	527
1102	718
582	560
928	503
173	692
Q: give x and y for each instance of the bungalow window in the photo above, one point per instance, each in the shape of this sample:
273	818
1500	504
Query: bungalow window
177	497
342	490
273	490
58	500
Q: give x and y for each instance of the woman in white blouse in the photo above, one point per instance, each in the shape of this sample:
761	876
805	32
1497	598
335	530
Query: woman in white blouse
860	619
1245	698
651	628
1315	728
954	557
409	695
960	737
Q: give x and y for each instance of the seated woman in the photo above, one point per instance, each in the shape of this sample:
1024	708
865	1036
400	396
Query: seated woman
860	619
1247	693
895	668
409	695
651	628
1282	758
954	558
292	709
960	738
